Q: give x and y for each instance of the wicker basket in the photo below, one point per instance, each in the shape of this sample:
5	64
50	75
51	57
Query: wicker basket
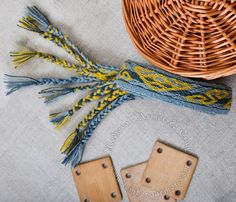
192	38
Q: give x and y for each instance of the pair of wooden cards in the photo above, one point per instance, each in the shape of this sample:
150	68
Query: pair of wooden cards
165	177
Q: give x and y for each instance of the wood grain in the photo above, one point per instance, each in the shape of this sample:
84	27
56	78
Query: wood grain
136	191
169	171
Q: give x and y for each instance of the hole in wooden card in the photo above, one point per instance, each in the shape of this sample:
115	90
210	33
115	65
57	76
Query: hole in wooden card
166	197
128	175
148	179
159	150
104	165
86	200
189	163
177	192
113	195
77	172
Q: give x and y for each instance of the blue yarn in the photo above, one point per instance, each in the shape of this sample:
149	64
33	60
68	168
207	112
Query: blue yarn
14	83
52	94
39	17
59	117
75	155
97	120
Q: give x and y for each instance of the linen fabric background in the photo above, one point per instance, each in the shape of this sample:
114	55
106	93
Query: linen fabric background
30	161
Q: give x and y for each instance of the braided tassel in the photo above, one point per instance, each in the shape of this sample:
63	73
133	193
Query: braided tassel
51	94
59	119
101	74
14	83
18	58
43	21
75	155
102	68
76	135
36	21
95	122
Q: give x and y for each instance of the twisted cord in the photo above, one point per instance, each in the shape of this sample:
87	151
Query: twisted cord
79	69
90	67
101	91
19	58
77	134
60	118
101	105
56	32
56	81
95	122
53	93
47	26
36	21
75	155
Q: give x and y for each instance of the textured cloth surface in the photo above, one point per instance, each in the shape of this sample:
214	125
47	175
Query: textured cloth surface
30	161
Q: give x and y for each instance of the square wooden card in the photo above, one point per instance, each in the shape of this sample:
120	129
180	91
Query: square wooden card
169	170
96	181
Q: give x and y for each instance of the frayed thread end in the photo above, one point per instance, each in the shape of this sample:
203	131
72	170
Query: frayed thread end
61	118
71	142
75	156
68	142
14	83
41	20
29	24
18	58
34	21
51	94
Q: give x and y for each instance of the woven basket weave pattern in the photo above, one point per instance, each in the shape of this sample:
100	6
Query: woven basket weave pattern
192	38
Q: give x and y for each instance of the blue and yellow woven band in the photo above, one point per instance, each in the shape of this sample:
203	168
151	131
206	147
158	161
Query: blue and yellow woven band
147	82
109	86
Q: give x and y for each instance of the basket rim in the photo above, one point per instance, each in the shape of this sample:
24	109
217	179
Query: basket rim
208	74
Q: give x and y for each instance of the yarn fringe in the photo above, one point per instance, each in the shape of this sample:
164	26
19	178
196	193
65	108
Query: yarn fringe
41	20
68	142
73	139
51	94
29	24
18	58
14	83
59	119
34	21
75	156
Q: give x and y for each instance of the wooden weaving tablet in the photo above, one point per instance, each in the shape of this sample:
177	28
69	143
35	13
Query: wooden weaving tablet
169	170
96	181
136	191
